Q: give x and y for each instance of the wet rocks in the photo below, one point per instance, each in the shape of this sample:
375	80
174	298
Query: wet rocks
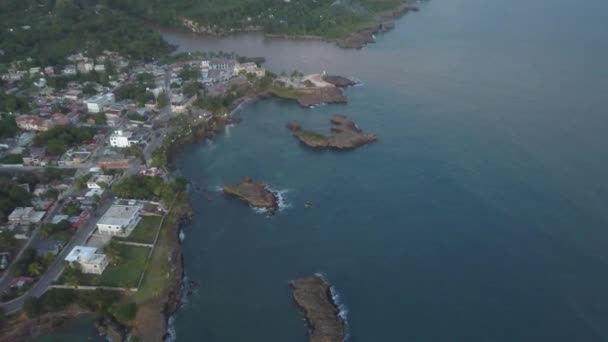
313	297
339	81
345	135
255	193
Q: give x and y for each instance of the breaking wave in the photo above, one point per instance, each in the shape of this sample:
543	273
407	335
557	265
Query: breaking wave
282	202
342	309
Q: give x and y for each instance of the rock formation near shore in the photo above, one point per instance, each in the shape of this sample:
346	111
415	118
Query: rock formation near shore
255	193
313	297
345	135
339	81
313	96
383	23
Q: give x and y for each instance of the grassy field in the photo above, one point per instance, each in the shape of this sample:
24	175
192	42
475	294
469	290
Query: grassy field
158	274
126	273
145	232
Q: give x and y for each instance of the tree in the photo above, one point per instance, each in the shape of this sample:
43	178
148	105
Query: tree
100	119
162	100
51	194
72	274
35	269
89	89
124	312
32	307
44	231
3	318
113	253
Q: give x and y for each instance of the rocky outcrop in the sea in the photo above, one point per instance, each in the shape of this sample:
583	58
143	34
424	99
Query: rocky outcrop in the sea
255	193
313	297
345	135
339	81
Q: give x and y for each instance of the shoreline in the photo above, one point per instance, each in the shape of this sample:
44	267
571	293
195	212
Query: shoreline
381	22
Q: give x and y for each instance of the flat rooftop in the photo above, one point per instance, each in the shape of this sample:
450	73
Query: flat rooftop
119	215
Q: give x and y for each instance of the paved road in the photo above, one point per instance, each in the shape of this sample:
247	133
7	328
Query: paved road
53	272
6	278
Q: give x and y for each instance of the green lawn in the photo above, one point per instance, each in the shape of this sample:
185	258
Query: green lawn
145	230
126	273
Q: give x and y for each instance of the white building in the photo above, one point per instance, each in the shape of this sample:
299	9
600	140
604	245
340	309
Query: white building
123	139
249	68
26	215
97	181
97	103
88	258
119	220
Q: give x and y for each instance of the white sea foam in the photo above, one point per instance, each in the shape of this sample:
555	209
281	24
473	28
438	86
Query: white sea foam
217	188
282	199
335	297
171	335
282	202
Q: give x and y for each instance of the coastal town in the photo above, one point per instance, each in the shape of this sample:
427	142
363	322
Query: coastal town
85	163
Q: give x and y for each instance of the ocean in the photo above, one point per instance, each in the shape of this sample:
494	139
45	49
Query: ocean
479	215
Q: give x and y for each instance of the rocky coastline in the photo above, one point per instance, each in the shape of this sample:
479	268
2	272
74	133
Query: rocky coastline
345	135
313	296
309	97
382	22
339	81
253	192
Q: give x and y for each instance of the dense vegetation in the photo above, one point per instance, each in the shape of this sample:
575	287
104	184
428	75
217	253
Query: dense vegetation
108	303
329	18
11	196
137	91
60	138
142	187
48	30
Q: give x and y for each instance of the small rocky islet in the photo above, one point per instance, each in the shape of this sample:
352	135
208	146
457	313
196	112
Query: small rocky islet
345	135
313	296
253	192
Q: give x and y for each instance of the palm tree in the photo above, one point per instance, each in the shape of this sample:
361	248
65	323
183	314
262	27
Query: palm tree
113	253
34	269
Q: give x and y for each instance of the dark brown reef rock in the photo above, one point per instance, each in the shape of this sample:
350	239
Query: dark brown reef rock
255	193
339	81
345	135
313	297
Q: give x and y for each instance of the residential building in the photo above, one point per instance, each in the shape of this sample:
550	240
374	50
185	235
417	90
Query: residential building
113	163
26	215
221	64
89	259
98	181
32	123
119	220
34	157
249	68
124	139
69	70
97	103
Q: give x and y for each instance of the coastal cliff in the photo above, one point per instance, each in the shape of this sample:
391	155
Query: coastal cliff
313	297
255	193
345	135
